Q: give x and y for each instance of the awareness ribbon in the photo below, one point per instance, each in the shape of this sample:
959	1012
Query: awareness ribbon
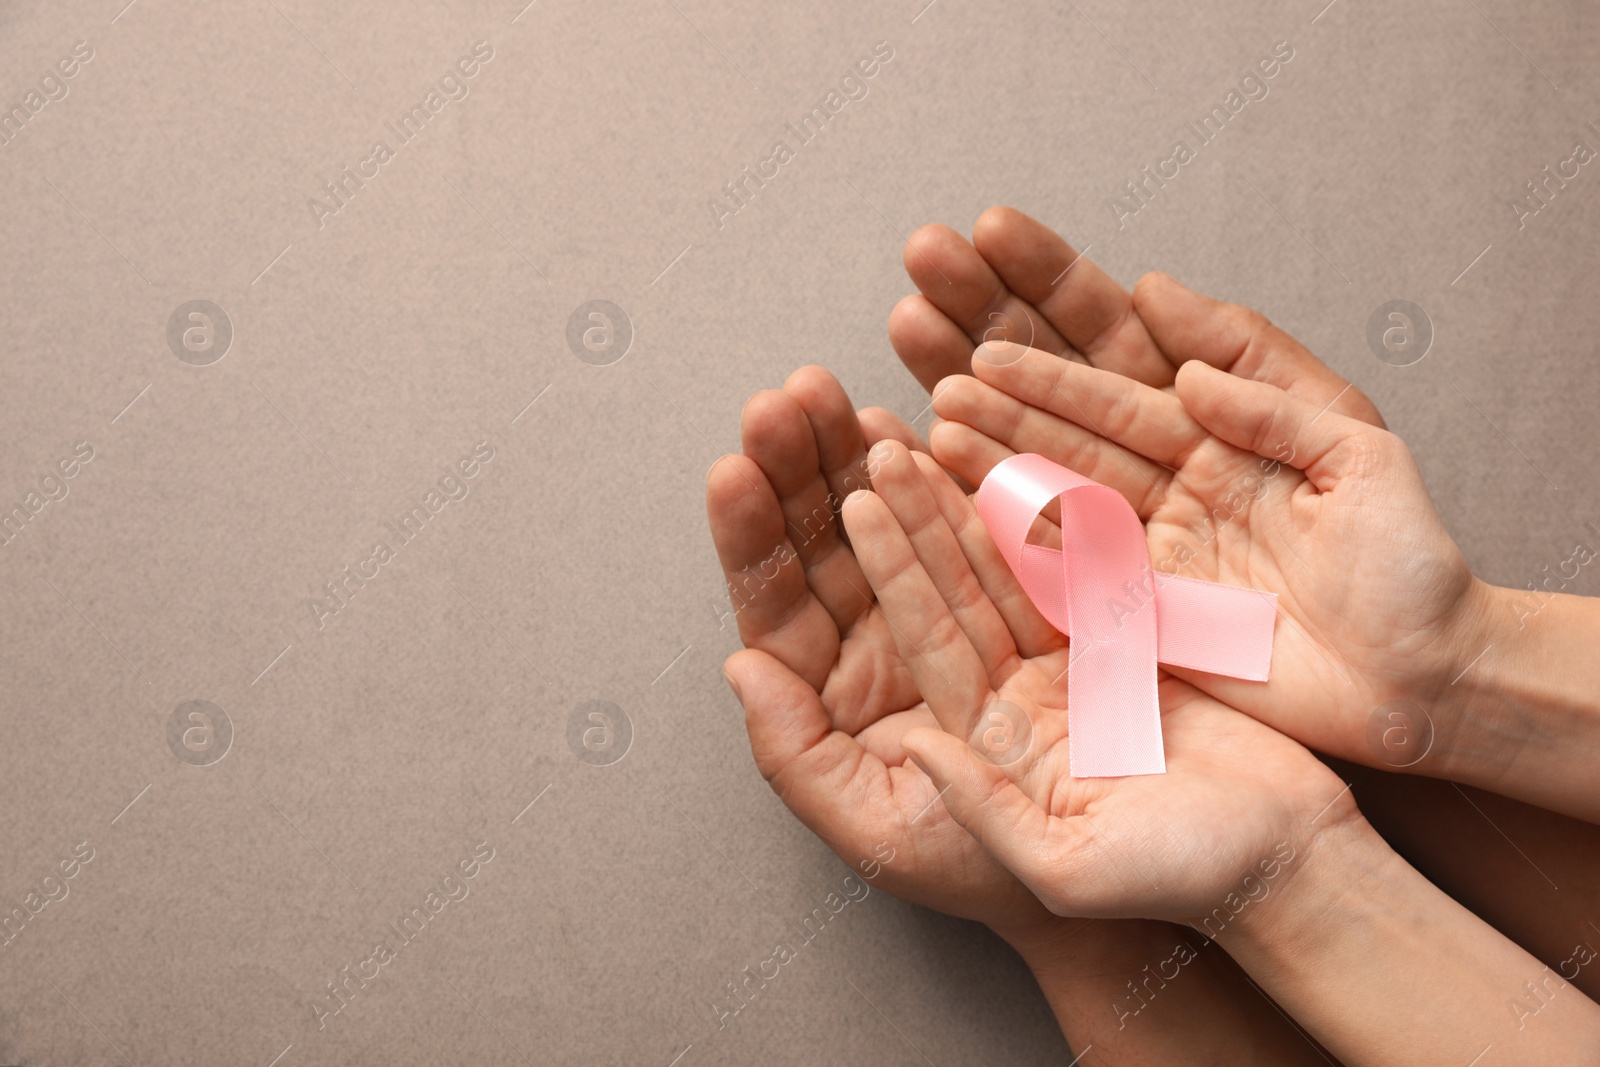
1123	617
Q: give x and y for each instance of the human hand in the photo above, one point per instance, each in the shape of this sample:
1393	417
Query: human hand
1247	836
1236	793
826	693
1018	280
1240	483
1502	697
827	696
1013	282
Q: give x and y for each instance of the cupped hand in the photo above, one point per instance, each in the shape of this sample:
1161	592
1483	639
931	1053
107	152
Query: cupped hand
1018	280
1236	794
1238	482
826	692
828	695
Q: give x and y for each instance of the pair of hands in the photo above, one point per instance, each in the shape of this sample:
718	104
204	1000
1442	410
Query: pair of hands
1246	458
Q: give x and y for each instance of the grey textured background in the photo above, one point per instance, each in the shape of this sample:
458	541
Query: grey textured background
423	318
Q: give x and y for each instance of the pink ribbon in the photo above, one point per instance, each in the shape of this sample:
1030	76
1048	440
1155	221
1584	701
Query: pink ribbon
1123	617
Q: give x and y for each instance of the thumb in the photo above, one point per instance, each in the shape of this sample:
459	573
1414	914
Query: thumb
1192	326
816	771
788	726
1263	419
990	807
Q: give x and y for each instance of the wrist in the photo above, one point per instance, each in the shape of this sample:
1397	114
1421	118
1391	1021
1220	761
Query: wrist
1119	986
1348	943
1517	713
1059	951
1465	743
1326	868
1140	991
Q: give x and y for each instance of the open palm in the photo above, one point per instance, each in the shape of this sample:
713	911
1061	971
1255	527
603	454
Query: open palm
829	695
1167	846
1240	483
1361	625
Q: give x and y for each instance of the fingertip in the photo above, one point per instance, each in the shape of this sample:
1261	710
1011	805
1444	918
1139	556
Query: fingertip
941	261
730	478
812	379
928	238
918	743
927	464
905	314
879	424
711	471
1163	303
856	500
776	434
852	512
941	390
1201	389
949	441
1148	289
890	465
994	220
1196	377
997	354
764	407
730	674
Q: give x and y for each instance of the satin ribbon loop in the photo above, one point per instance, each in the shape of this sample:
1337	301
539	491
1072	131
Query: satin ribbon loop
1122	616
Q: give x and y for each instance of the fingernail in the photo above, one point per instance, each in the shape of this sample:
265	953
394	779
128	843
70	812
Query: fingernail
856	497
999	353
734	685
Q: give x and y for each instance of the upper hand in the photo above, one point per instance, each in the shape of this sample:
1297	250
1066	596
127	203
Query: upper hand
1238	482
1236	794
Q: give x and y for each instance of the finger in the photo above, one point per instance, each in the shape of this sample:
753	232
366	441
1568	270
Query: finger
778	436
1189	326
821	774
959	448
948	670
1267	421
770	598
993	809
1085	305
971	455
901	484
1020	427
927	342
882	737
1033	635
841	448
961	284
881	424
1141	419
